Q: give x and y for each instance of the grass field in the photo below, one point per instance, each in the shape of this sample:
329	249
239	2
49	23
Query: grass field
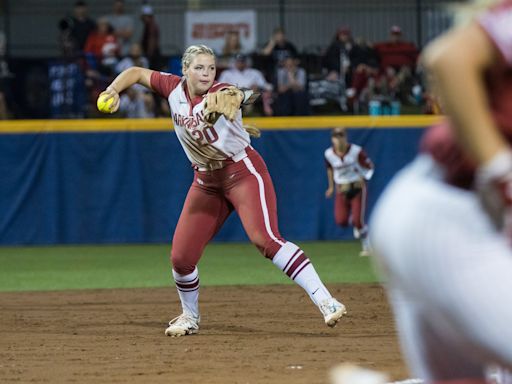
127	266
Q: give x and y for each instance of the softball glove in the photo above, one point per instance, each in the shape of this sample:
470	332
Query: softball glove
225	102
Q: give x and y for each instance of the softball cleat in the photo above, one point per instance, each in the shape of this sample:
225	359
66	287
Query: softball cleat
332	310
182	325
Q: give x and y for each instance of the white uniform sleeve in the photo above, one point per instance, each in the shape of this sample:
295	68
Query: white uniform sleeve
366	173
498	25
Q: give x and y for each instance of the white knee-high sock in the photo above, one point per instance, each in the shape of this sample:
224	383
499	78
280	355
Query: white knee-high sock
362	235
188	291
292	261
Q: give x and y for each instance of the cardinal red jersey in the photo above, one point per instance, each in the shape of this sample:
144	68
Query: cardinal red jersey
202	142
440	140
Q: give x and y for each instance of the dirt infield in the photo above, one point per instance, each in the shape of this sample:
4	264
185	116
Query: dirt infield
257	334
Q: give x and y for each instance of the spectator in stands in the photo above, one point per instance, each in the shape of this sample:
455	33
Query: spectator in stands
136	105
292	98
279	48
424	95
363	54
150	37
243	76
383	87
101	53
232	47
66	74
80	25
102	48
337	57
137	101
123	25
135	58
398	59
66	43
364	64
396	52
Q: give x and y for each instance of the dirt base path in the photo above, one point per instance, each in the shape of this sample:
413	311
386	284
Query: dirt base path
257	334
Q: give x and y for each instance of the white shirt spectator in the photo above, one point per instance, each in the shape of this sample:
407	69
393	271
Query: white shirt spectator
246	78
283	77
129	61
133	107
242	76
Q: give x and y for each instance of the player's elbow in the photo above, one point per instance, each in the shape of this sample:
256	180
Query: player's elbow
135	70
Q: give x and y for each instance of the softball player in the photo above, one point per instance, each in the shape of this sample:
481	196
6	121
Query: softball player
442	230
348	169
229	175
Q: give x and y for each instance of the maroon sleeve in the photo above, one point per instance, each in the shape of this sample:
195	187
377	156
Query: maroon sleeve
364	160
164	83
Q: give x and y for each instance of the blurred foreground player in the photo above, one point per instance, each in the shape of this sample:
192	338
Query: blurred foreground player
442	231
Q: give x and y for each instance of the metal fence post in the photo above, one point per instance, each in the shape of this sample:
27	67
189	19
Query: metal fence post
419	29
282	13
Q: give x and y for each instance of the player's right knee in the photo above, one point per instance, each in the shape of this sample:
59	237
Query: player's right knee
181	264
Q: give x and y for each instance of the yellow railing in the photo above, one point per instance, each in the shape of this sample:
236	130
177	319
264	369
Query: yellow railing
165	124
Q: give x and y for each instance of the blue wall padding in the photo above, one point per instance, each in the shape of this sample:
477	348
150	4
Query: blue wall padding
128	187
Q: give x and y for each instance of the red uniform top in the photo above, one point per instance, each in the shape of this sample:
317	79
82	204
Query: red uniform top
101	45
397	54
439	141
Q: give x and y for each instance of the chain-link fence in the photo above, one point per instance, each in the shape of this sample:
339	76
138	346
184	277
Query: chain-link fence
31	25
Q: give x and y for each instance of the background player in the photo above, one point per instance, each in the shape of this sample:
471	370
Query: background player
229	175
348	169
442	230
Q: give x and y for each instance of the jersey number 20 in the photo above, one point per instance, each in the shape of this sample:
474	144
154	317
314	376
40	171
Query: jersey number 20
205	136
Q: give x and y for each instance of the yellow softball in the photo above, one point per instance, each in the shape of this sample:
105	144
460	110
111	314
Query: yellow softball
103	104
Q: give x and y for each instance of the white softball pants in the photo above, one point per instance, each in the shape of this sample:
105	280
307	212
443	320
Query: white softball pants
448	274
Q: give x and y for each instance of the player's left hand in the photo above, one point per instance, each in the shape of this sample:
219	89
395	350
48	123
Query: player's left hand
225	102
493	183
329	192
